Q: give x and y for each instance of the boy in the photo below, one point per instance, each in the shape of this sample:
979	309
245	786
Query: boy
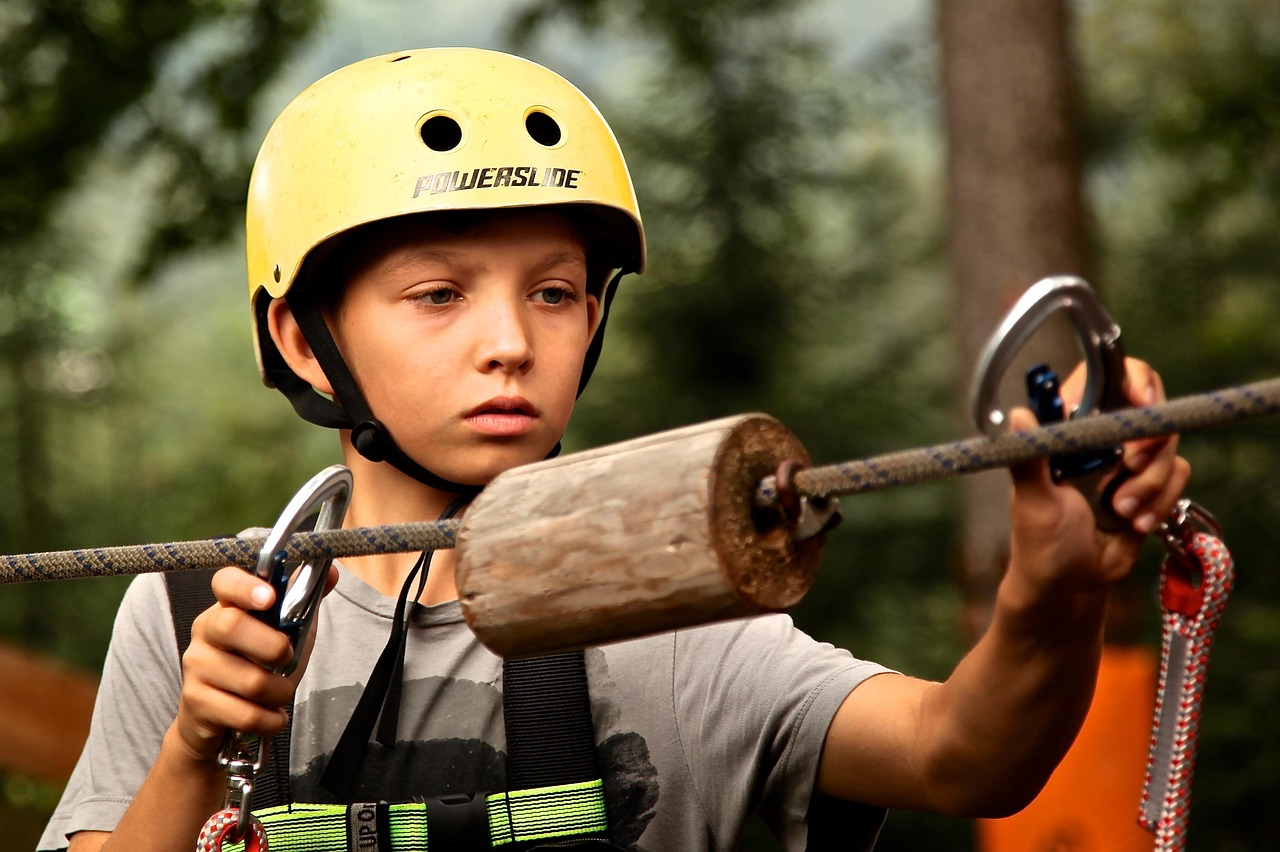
432	241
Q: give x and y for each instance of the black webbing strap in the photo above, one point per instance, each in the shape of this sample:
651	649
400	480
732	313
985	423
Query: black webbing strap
190	594
548	719
597	342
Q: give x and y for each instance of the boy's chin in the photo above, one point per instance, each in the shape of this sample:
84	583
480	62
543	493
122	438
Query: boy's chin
481	469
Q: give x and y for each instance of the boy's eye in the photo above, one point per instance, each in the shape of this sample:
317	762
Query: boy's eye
554	295
439	296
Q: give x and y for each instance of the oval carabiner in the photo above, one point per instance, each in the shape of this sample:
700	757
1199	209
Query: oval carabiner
1099	339
299	586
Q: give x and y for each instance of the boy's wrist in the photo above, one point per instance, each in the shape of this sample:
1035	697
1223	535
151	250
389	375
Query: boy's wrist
181	752
1052	611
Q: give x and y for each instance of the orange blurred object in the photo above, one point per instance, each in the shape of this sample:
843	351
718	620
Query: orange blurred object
44	715
1091	802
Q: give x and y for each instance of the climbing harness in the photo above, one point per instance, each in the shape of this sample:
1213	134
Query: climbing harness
1099	338
298	587
1195	581
557	793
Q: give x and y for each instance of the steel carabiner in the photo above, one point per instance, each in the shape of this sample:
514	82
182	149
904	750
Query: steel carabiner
299	586
1099	338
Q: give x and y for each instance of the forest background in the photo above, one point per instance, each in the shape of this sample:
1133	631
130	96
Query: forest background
790	158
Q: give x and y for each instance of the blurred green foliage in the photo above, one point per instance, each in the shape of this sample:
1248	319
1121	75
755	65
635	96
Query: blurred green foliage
793	205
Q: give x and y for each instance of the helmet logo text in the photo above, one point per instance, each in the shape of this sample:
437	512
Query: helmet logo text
495	176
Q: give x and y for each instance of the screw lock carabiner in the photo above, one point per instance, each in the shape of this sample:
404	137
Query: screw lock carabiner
1103	351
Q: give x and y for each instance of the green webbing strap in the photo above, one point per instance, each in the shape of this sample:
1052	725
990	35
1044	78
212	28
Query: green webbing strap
540	814
547	812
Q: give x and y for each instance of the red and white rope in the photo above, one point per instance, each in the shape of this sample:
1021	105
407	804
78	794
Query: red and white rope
1191	614
221	829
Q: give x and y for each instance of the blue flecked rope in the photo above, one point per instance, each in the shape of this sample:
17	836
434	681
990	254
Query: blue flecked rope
907	467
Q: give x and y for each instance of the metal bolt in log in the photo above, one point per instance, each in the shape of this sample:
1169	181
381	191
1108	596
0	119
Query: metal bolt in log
631	539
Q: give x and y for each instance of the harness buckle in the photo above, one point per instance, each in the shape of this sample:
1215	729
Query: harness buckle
459	821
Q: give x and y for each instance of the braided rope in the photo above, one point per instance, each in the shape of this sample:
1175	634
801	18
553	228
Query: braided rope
221	827
217	552
1190	617
908	467
1108	429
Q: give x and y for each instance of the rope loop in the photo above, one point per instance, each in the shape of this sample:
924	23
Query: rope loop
221	829
1191	615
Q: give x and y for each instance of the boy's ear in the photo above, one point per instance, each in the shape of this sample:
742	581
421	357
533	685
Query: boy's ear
293	346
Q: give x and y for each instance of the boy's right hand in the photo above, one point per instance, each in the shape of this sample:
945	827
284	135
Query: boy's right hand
228	679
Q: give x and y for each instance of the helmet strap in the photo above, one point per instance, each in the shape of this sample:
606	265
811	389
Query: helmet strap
370	438
597	342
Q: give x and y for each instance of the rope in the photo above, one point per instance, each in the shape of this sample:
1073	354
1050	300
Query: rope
1193	590
908	467
217	552
1108	429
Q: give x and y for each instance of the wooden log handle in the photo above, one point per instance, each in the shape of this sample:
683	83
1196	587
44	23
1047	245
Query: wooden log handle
630	539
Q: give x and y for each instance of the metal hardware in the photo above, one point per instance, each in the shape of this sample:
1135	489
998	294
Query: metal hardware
808	517
299	589
1103	351
1099	339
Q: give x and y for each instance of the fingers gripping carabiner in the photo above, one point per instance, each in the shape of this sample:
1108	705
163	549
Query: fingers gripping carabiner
1103	351
299	588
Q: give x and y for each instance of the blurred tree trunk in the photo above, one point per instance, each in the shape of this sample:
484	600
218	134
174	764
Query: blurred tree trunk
1015	213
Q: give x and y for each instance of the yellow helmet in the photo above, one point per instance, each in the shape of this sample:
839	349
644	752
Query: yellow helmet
429	130
420	131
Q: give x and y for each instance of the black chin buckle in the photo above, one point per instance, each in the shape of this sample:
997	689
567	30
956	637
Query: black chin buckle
370	440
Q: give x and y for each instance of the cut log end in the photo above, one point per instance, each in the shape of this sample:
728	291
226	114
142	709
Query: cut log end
632	539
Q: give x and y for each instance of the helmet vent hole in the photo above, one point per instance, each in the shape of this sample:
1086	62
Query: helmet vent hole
543	129
441	133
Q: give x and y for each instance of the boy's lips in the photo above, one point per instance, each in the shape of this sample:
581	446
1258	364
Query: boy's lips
503	416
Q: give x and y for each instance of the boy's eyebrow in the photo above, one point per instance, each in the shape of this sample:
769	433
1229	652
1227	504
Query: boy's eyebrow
558	258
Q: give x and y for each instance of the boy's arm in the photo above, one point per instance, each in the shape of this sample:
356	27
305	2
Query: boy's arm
983	742
226	685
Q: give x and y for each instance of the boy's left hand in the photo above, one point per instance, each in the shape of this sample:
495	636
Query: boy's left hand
1056	546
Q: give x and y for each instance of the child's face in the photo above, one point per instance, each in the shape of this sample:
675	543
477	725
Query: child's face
468	346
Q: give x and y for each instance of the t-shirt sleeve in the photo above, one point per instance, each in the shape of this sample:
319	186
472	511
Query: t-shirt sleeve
137	701
758	696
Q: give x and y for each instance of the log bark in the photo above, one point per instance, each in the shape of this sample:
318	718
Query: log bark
632	539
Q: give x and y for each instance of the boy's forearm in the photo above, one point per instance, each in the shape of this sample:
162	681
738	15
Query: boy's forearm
175	800
1015	703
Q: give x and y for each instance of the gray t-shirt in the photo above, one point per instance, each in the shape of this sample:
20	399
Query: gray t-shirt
695	728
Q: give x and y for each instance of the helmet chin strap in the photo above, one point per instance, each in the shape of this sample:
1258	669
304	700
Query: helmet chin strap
350	410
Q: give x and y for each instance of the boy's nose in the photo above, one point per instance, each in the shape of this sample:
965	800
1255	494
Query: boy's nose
504	340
